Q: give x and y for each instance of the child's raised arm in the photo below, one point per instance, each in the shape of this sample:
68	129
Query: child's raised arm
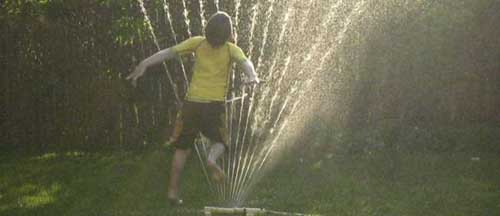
156	58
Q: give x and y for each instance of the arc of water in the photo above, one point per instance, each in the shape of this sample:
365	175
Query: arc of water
168	18
234	161
279	84
217	6
266	91
324	30
234	145
249	157
239	168
242	193
202	16
258	165
277	56
315	44
269	13
229	120
254	165
227	165
357	11
255	11
233	94
185	16
259	64
211	4
283	108
251	100
237	6
236	155
301	24
230	110
202	162
155	39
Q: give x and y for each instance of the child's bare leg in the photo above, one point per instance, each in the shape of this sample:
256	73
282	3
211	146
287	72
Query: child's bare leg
178	162
216	151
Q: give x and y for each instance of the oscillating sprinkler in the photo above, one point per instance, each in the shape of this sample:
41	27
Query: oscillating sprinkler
210	211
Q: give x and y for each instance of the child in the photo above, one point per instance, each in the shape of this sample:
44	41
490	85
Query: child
203	109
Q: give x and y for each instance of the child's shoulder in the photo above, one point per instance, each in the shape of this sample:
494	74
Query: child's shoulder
232	45
197	38
194	40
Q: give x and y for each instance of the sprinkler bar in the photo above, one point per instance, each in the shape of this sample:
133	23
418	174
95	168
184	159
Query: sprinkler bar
209	211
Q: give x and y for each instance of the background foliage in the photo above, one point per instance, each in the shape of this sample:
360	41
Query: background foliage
420	65
63	72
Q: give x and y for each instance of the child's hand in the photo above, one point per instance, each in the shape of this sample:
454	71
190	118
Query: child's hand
138	72
256	80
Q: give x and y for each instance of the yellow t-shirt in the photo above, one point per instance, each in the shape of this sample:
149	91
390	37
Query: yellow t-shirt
211	69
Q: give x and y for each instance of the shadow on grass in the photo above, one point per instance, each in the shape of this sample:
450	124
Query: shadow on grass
384	183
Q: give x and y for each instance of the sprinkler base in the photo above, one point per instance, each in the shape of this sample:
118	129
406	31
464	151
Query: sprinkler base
210	211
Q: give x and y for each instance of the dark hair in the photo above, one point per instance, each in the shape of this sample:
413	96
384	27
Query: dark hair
219	29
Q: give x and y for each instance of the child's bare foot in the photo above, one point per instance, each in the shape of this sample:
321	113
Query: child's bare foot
175	201
173	198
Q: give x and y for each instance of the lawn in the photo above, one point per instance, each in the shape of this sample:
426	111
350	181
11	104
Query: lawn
135	183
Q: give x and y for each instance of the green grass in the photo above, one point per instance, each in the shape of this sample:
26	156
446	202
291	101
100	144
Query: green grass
135	183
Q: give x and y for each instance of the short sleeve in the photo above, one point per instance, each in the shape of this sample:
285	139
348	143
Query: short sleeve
237	54
188	46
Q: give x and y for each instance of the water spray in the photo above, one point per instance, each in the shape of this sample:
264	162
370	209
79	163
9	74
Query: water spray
244	94
236	98
266	108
